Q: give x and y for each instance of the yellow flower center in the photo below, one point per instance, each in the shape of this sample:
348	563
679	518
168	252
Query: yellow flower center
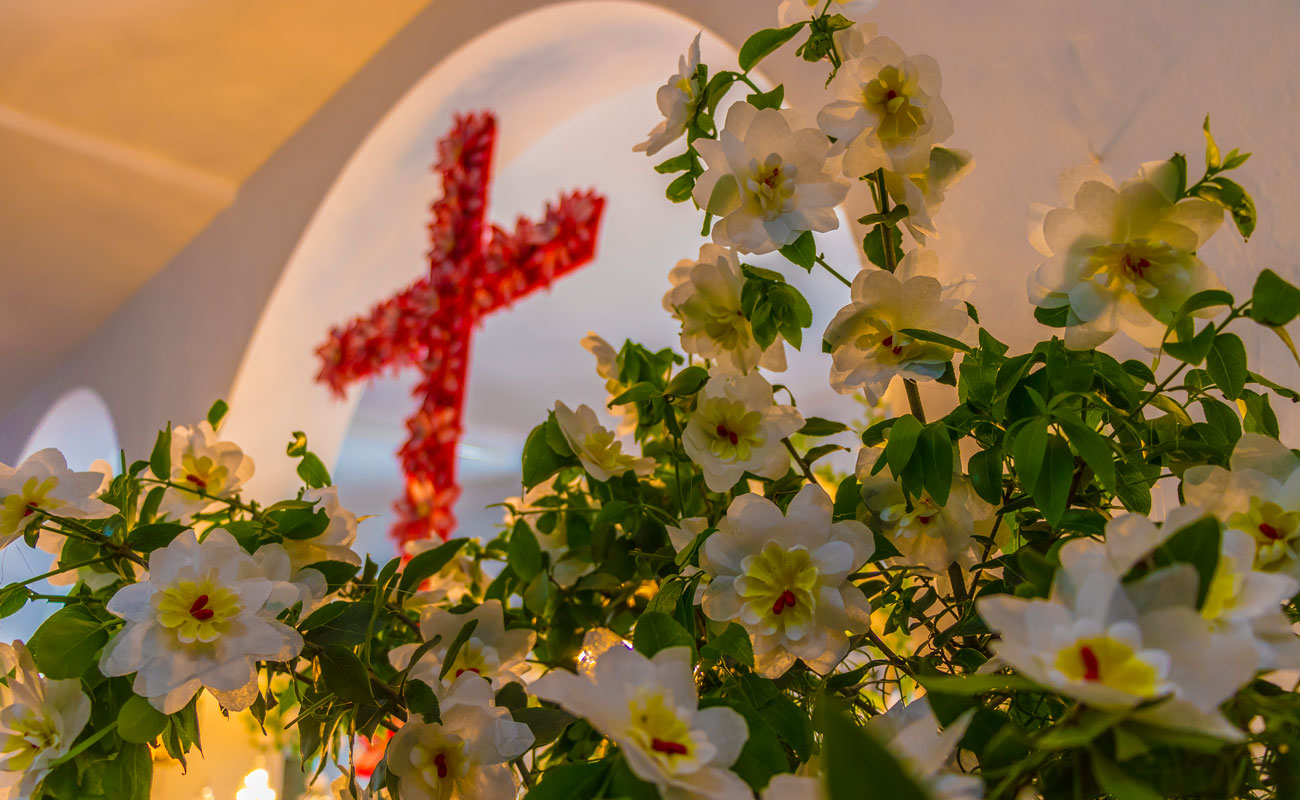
441	758
770	186
1109	662
603	448
1139	266
877	336
733	431
894	96
17	509
202	476
1276	531
31	733
198	611
779	586
1225	590
475	657
660	731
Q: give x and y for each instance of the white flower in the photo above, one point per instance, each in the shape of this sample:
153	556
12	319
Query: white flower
607	368
1259	495
868	347
335	542
677	100
197	623
767	179
795	787
566	564
737	428
650	709
887	112
792	11
705	297
1122	259
205	467
39	721
1116	646
926	534
912	733
1245	598
491	651
785	579
595	445
923	192
467	756
44	483
290	585
451	584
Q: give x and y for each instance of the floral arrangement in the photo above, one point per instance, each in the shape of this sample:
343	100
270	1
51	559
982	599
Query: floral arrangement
687	604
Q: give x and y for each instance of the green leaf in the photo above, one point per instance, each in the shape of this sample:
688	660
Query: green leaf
1207	298
985	468
1052	491
764	43
1260	417
873	245
524	554
1094	448
571	781
1197	544
936	452
313	472
453	649
217	413
546	723
971	685
1212	158
1193	350
1273	301
762	755
344	674
937	338
853	759
902	443
635	393
540	461
1226	364
1057	317
128	775
160	460
300	523
1028	450
340	622
1234	199
148	538
427	564
67	644
817	426
676	164
423	700
1114	781
12	599
772	99
687	382
657	631
679	191
802	252
139	722
734	643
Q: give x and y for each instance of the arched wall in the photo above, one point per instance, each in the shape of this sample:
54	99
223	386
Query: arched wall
1034	88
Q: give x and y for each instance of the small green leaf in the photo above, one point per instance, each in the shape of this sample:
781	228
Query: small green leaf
160	460
571	781
1196	544
1057	317
427	564
1212	158
936	451
687	382
1226	364
423	700
12	599
873	245
148	538
1094	448
344	674
139	722
772	99
818	426
453	649
524	554
1193	350
657	631
937	338
1274	301
802	252
734	643
217	413
1231	197
1028	450
764	43
901	443
1207	298
540	461
546	723
67	644
676	164
1052	490
985	469
679	191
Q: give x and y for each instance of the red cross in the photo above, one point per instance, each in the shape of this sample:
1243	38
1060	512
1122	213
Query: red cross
473	271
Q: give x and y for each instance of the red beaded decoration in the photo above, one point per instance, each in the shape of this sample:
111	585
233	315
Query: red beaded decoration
474	270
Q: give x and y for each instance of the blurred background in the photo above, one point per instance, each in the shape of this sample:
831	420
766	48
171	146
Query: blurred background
194	191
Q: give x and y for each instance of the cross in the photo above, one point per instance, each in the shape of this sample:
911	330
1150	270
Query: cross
473	271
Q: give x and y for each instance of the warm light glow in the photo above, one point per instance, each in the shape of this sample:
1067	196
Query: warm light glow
257	786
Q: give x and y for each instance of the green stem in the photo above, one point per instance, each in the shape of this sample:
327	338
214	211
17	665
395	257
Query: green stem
828	268
803	465
61	570
914	399
886	231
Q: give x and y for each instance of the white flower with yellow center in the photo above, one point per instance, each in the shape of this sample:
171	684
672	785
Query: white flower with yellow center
926	534
784	577
335	542
1242	597
607	368
198	622
677	100
650	709
1117	646
596	446
203	468
767	180
913	735
923	192
887	111
468	755
290	585
705	298
567	565
792	11
491	651
868	340
43	483
1259	495
737	428
39	721
1122	259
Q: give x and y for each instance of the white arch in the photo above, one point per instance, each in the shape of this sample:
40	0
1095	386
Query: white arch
80	425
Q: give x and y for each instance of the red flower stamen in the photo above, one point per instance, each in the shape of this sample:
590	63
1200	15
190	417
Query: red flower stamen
671	748
1091	667
200	611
